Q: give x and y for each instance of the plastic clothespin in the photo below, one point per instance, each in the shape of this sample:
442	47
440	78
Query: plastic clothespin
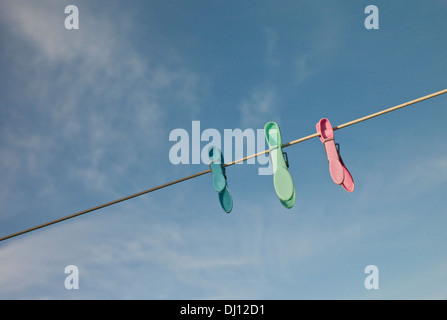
337	169
219	178
282	180
348	182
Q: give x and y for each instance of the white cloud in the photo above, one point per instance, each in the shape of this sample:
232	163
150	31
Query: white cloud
88	107
271	57
427	173
324	40
91	90
260	107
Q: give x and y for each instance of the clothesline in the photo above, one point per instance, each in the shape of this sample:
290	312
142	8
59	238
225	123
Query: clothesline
403	105
344	125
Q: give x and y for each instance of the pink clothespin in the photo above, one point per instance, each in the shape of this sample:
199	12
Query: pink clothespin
339	173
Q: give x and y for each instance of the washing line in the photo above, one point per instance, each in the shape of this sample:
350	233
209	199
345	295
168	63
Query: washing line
347	124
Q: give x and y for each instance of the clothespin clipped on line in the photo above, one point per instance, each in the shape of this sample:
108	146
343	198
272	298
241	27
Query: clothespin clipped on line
282	180
219	178
337	169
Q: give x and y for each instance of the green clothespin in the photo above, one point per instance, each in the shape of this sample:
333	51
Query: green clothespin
220	178
282	180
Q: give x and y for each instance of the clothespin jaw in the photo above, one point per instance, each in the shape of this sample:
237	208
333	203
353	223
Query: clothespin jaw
219	178
337	169
282	180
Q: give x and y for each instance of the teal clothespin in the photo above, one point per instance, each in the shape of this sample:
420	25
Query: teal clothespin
282	180
219	178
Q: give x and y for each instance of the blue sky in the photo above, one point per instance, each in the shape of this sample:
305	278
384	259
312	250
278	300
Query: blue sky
85	118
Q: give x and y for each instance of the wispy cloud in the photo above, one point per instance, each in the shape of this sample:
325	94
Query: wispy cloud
319	48
91	90
271	54
259	107
432	173
88	107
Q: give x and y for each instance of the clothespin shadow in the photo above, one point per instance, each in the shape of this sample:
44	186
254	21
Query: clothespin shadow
220	183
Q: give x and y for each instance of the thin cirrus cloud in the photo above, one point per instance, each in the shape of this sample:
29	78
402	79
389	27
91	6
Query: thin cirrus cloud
307	56
260	105
83	105
91	87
